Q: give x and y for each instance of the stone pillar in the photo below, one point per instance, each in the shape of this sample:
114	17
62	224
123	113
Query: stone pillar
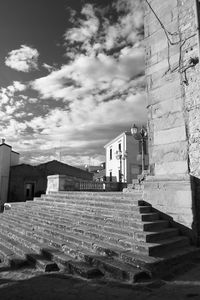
173	86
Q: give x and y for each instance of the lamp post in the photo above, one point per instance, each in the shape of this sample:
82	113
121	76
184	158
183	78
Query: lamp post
140	135
120	156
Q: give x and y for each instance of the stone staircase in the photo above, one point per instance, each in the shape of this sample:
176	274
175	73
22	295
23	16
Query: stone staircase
92	234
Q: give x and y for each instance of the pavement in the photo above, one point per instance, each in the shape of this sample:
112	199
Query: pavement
31	285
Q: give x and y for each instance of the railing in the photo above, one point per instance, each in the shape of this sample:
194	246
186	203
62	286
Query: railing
90	186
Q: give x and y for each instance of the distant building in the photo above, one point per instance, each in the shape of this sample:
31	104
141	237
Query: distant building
27	181
123	158
100	173
8	158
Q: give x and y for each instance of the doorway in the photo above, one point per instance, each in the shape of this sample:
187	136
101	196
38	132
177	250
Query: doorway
29	190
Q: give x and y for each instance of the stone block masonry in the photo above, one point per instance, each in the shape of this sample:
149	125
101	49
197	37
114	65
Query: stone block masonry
173	87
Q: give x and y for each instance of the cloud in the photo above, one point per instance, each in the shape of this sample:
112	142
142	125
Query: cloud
86	74
24	59
93	97
86	28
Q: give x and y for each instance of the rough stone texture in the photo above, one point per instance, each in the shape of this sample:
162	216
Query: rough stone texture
173	198
173	109
192	97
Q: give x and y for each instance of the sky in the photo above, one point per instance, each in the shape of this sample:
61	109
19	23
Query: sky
71	77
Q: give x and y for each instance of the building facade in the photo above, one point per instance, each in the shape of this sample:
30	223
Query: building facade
8	158
173	87
123	158
27	181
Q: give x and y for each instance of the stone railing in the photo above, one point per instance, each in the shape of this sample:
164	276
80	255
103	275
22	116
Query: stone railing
56	183
91	185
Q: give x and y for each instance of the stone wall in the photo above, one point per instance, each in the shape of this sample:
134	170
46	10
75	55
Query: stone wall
173	80
168	137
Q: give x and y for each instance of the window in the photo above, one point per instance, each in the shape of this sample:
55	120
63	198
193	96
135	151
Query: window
110	176
120	147
110	153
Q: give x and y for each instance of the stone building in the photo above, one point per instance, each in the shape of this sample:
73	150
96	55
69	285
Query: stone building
123	158
27	181
173	87
8	158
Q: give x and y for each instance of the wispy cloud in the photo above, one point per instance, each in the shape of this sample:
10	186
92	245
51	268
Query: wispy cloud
24	59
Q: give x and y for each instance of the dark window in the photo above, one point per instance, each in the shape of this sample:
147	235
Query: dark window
120	147
110	176
110	154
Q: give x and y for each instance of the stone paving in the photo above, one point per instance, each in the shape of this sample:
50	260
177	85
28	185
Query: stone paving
31	284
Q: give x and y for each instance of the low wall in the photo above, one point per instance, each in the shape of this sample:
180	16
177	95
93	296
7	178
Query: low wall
56	183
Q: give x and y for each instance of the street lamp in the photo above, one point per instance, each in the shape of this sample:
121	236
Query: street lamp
140	135
120	156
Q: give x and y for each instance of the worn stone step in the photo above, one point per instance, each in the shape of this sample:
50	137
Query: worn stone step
127	244
88	206
64	241
113	235
42	263
9	258
83	220
120	271
168	245
18	253
27	251
66	219
90	200
87	210
164	264
105	227
101	234
28	212
93	195
84	269
26	255
156	236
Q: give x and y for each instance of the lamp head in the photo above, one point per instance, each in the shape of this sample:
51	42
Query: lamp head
134	129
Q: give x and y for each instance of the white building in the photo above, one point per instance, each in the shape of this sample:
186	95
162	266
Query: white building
124	159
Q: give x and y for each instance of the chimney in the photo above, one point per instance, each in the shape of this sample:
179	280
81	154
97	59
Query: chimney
3	141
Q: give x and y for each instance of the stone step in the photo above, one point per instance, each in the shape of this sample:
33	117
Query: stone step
116	235
157	249
137	216
135	246
101	235
58	239
10	258
155	225
165	264
156	236
38	260
70	215
89	210
119	270
103	200
84	269
92	195
89	205
18	255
